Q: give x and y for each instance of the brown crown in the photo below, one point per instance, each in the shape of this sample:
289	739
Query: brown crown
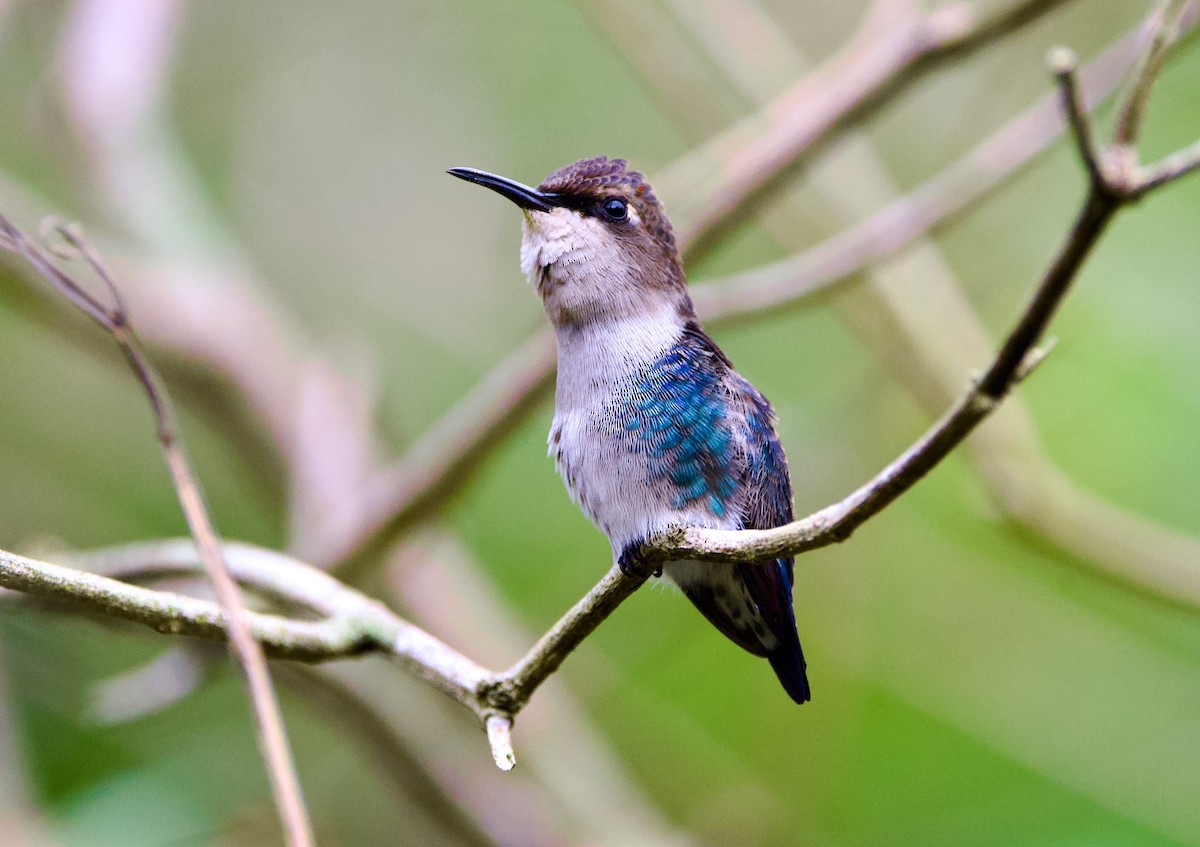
600	177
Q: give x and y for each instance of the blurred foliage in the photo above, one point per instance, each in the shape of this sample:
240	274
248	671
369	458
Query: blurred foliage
972	685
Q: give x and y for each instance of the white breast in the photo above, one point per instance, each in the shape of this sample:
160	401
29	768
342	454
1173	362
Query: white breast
606	473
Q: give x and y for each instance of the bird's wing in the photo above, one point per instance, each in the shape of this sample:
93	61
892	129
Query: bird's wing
766	490
720	449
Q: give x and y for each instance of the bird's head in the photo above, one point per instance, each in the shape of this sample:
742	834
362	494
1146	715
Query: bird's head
595	242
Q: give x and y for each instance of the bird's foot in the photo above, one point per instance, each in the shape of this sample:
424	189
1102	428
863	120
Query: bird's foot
633	563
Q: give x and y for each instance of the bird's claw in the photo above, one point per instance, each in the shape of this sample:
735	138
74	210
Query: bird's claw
634	564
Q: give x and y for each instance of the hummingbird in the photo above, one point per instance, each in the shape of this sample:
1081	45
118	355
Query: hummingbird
653	428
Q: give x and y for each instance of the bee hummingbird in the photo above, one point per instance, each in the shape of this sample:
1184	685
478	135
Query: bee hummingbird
653	427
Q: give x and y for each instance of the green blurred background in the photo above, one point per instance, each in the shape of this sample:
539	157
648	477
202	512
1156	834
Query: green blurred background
976	679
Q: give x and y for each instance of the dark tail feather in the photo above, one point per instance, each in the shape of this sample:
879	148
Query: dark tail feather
787	661
770	587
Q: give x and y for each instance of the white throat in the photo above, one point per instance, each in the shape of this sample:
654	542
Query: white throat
597	359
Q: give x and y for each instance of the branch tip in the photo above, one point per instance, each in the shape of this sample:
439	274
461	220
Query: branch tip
1064	65
1034	358
1061	60
499	733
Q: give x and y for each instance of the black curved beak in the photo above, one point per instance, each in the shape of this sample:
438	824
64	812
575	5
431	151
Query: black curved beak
522	195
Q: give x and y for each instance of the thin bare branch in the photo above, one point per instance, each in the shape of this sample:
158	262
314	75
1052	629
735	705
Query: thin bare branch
499	733
270	574
512	689
1171	168
451	449
1015	359
1132	111
15	241
78	246
176	614
1096	214
246	651
350	613
1065	66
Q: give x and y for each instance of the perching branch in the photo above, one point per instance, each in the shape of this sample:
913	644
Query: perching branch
511	690
246	651
1016	358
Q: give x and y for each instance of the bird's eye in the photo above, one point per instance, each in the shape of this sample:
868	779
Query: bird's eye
615	209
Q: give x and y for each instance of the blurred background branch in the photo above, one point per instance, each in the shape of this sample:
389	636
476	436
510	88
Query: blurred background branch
898	45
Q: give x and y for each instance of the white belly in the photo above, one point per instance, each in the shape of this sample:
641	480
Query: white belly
611	481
